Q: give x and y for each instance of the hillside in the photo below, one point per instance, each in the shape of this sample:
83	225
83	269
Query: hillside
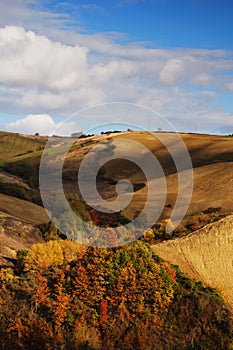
15	234
18	226
205	255
16	146
212	163
23	210
212	188
211	158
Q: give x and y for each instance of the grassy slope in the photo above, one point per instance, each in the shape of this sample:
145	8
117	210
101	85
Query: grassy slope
20	156
212	158
23	210
16	146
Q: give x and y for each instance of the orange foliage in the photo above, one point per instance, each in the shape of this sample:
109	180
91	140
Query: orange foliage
103	314
170	271
41	292
61	300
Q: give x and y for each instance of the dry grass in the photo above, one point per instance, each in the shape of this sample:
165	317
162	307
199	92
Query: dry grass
23	210
212	159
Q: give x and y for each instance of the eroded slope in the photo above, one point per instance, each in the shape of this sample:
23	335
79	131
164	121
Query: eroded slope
205	255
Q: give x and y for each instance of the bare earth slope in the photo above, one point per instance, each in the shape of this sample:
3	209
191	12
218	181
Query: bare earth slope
205	255
15	234
18	221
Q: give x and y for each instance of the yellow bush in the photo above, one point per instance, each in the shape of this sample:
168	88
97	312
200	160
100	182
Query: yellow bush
43	255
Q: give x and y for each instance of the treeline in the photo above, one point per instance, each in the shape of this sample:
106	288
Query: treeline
61	295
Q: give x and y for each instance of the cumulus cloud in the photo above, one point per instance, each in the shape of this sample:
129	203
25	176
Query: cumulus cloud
33	123
42	124
33	60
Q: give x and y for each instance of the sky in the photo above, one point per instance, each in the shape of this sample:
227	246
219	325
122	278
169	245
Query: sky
60	57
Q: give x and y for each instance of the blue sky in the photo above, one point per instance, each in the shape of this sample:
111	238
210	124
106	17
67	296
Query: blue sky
57	57
164	23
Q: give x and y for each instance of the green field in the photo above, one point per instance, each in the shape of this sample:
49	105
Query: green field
14	147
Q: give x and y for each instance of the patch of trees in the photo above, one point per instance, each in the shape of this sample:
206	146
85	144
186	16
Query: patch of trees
66	296
83	136
110	132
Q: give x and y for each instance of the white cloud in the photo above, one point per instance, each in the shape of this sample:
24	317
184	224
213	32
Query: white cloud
31	14
171	71
43	124
33	123
33	60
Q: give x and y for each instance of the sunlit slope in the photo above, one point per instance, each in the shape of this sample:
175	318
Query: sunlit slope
18	226
203	150
205	255
15	146
211	156
212	160
212	187
23	210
